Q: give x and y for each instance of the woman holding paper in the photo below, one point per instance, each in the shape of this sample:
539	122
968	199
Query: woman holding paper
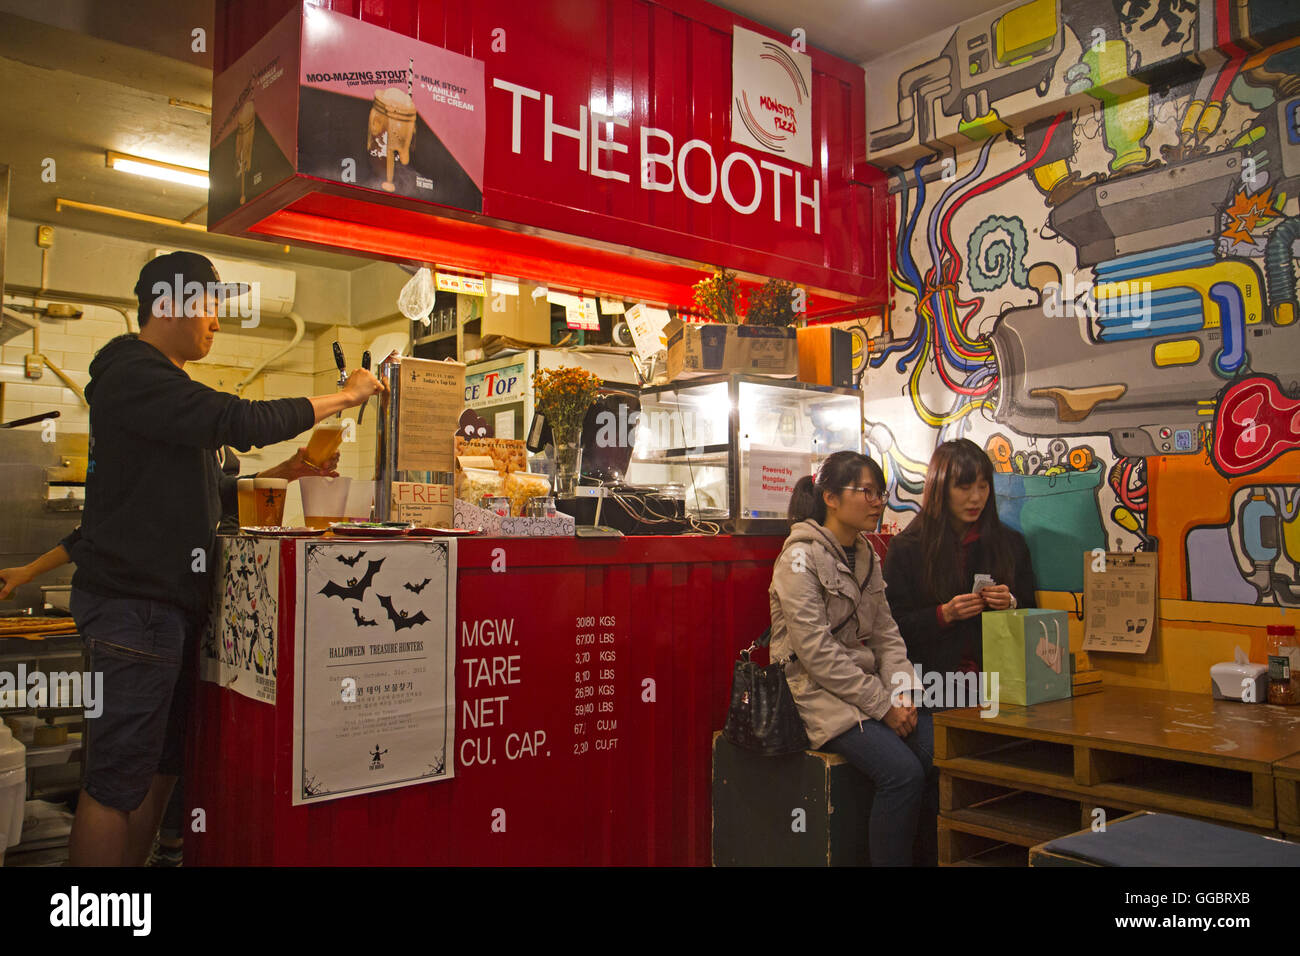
847	667
955	561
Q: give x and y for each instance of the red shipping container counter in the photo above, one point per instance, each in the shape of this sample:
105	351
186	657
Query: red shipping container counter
678	610
674	612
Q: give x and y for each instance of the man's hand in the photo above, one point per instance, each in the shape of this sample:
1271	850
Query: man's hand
963	606
360	385
13	578
996	597
297	466
901	720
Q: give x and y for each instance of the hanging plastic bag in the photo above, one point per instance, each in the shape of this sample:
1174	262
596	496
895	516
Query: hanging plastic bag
415	301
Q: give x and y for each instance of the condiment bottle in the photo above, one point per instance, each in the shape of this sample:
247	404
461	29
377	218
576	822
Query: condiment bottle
1283	662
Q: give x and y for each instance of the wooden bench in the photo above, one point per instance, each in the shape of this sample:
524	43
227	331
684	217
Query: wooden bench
1030	774
1286	787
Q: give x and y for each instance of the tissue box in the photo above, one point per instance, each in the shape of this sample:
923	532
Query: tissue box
1240	680
472	517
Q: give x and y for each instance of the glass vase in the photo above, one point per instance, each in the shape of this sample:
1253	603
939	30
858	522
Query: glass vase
568	465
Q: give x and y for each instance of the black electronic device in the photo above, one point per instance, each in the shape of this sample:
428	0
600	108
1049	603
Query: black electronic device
609	435
539	434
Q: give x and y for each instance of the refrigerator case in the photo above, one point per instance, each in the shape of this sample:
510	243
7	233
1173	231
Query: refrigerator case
738	443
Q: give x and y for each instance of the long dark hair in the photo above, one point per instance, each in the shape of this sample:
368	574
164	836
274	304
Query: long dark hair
838	471
959	462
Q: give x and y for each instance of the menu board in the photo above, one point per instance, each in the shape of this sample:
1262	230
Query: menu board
432	395
1119	601
374	680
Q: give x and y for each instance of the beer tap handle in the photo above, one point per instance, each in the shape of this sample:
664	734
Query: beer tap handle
365	364
338	360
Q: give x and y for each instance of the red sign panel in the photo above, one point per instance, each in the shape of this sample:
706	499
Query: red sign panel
612	123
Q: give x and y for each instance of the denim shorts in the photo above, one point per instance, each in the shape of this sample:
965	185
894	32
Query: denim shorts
144	650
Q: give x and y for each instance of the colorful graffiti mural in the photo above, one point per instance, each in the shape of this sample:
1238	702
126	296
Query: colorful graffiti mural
1094	269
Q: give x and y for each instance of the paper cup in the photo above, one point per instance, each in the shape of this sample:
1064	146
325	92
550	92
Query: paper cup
360	500
324	500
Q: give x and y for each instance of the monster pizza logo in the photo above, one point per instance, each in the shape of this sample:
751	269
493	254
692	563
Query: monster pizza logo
771	99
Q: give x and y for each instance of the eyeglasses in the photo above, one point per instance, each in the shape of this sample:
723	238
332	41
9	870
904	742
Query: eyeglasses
871	494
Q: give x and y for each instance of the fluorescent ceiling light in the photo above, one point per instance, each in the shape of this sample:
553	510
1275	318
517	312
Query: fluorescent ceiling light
156	169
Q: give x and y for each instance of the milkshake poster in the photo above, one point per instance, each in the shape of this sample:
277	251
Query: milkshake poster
254	121
389	113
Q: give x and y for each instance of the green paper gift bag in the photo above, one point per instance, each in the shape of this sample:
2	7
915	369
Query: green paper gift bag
1029	650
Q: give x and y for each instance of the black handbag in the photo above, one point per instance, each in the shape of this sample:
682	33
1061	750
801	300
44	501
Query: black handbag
763	717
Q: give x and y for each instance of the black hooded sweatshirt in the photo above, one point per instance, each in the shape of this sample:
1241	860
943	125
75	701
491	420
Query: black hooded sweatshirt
154	488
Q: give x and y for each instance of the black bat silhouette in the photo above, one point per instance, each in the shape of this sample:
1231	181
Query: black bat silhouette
399	618
352	561
354	590
417	588
362	621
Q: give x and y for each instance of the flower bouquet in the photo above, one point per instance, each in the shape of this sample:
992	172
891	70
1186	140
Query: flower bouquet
563	396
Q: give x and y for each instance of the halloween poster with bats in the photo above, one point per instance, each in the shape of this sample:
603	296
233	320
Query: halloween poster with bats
374	680
239	644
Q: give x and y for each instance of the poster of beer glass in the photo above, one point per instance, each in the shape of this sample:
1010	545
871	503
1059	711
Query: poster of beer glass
374	686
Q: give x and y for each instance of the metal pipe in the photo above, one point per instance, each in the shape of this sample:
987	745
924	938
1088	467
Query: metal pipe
61	204
1279	270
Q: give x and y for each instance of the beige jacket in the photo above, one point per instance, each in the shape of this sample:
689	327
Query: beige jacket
842	679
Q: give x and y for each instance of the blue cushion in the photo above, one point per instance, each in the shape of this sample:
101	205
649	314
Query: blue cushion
1159	839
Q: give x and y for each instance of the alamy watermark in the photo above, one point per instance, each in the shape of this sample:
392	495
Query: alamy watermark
1070	298
82	689
664	429
951	689
177	298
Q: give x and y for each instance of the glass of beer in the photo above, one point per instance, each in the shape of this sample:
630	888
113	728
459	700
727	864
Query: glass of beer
247	494
324	443
270	494
391	132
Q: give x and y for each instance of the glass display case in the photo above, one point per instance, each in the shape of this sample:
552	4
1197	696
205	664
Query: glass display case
736	444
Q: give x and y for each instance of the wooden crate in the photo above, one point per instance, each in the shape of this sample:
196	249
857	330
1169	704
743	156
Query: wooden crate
1007	816
1286	785
755	800
1128	748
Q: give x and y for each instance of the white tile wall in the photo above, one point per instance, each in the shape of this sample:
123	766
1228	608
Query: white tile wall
308	369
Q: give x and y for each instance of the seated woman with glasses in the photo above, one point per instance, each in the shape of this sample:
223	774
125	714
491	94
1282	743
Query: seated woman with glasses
933	565
847	666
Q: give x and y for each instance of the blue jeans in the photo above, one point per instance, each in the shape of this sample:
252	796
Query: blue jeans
906	788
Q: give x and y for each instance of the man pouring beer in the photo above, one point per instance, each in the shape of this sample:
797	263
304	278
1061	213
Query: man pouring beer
154	495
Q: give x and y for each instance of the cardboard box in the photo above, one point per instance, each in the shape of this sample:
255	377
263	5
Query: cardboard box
707	349
521	317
